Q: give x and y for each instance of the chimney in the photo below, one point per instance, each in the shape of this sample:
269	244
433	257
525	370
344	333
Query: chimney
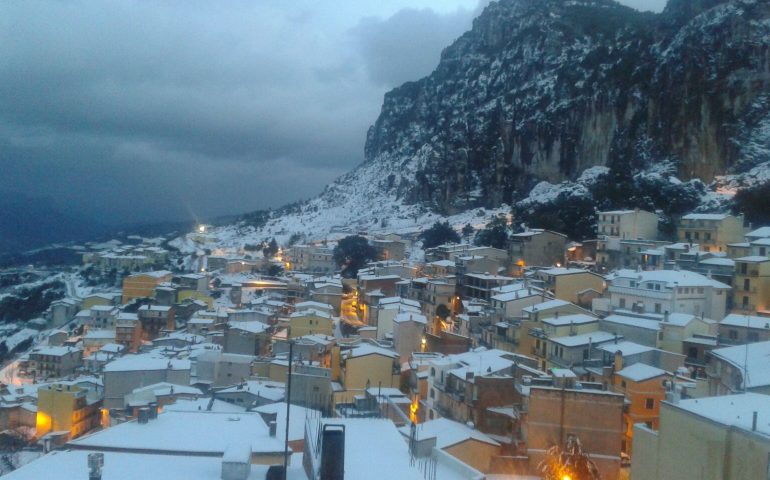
144	416
273	428
674	394
95	464
236	462
333	452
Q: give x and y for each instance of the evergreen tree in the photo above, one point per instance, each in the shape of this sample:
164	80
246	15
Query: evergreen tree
468	230
439	234
271	249
495	234
352	253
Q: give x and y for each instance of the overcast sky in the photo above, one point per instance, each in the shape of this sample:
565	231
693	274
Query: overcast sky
145	111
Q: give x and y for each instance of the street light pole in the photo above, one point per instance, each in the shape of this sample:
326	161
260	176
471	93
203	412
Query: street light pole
288	410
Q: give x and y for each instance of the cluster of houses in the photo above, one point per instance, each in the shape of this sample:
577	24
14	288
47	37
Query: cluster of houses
471	364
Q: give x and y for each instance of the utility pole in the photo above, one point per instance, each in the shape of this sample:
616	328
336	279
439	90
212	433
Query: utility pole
288	410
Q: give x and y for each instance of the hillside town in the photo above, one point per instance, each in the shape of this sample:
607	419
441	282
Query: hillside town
456	361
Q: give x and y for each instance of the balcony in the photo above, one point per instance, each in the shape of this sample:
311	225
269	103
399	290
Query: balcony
537	352
641	292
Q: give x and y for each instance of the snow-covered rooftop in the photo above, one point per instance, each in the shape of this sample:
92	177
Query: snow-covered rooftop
367	349
386	459
563	271
297	418
595	338
733	410
73	464
746	321
640	372
411	317
202	404
186	432
753	358
249	326
705	216
753	259
274	391
683	278
54	351
719	262
130	363
576	319
625	348
633	322
546	306
447	433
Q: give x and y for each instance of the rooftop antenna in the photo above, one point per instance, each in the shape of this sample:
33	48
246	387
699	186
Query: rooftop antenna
746	356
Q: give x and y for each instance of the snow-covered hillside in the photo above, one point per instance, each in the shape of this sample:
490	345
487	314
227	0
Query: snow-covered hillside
354	203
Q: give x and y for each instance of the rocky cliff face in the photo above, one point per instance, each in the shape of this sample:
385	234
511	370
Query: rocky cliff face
543	89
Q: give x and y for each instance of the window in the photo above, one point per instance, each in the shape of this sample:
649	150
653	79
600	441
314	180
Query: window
432	393
745	303
697	235
657	308
649	403
622	303
753	336
707	236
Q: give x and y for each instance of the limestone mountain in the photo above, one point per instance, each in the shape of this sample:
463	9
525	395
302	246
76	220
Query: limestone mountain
543	89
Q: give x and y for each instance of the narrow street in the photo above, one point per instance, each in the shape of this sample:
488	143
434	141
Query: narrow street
349	309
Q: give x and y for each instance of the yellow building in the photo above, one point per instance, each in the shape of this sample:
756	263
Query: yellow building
558	326
644	390
567	283
183	295
712	231
751	289
365	366
98	299
526	337
714	438
310	322
142	285
62	407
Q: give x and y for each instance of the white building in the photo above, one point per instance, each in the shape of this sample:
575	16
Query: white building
673	291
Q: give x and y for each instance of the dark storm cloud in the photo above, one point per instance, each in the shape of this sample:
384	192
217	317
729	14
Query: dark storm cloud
404	47
139	104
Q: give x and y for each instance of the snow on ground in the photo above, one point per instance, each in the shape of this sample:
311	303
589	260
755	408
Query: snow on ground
354	204
20	336
756	176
